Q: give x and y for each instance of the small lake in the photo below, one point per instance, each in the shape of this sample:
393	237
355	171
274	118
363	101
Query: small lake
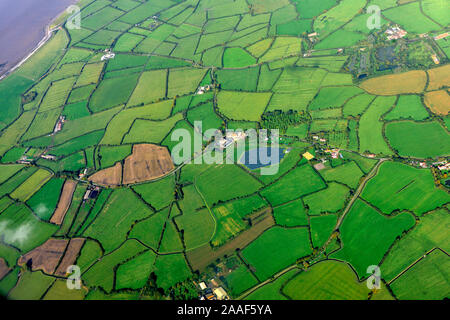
252	160
22	26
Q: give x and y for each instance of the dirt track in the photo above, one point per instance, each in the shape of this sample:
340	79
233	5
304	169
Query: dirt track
201	257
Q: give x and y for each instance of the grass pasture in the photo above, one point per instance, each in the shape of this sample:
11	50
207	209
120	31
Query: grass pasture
292	214
349	174
412	189
418	139
428	279
410	17
122	209
329	200
361	246
301	181
243	105
280	247
327	280
113	92
429	233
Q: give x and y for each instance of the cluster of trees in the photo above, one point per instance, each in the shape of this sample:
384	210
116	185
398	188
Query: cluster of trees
185	290
282	120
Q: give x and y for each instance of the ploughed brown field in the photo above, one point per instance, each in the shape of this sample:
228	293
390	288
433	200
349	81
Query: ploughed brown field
64	202
70	257
47	256
147	162
438	102
4	269
202	257
108	177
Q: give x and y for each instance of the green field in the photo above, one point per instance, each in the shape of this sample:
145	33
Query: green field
428	234
327	280
298	182
418	139
426	280
281	247
357	233
375	190
412	189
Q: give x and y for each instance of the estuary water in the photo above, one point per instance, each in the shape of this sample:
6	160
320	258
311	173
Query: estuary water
23	25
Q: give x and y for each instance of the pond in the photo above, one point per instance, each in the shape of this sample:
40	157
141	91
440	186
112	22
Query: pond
251	158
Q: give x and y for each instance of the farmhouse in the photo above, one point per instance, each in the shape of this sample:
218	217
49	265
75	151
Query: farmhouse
48	157
435	59
109	55
59	124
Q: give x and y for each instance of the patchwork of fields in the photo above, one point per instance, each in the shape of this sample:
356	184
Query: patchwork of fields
87	177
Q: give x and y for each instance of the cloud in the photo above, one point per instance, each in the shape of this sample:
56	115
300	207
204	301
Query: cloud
17	236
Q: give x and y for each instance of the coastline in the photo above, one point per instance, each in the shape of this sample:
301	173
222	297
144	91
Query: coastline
49	30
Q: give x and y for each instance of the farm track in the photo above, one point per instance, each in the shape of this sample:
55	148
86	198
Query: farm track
372	174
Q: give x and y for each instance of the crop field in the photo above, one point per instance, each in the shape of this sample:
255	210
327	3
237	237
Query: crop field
438	102
408	82
87	149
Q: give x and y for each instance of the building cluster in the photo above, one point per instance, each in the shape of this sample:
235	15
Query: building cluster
395	33
91	193
335	153
230	138
59	124
435	58
48	157
108	55
212	291
442	165
203	89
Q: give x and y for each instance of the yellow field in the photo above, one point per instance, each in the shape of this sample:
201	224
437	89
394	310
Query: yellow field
390	85
439	78
438	102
